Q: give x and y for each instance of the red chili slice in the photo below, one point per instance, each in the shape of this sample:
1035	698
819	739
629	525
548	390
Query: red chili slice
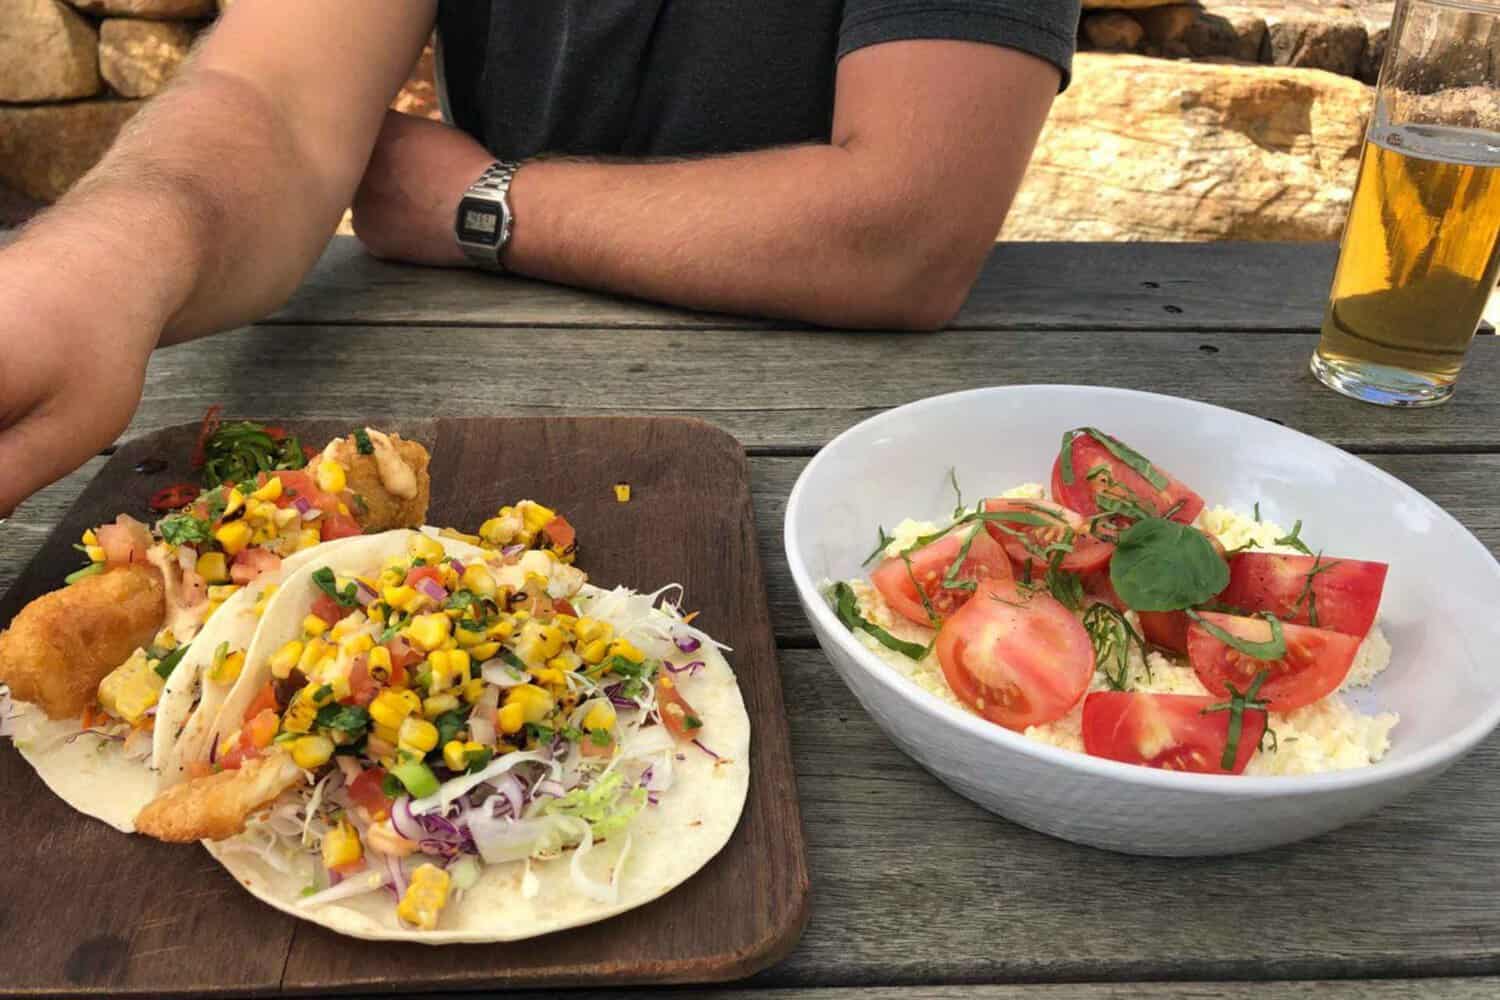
173	497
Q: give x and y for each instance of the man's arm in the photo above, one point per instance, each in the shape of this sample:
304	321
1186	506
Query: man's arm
886	226
207	212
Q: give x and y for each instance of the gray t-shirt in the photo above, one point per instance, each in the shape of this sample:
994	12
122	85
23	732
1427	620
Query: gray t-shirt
685	77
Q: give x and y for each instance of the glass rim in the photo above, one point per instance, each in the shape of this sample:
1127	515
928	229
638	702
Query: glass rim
1473	6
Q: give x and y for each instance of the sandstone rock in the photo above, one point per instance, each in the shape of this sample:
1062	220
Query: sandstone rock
1315	34
1113	32
1165	26
43	150
139	57
161	9
47	52
1124	4
1145	149
419	95
1225	31
1377	18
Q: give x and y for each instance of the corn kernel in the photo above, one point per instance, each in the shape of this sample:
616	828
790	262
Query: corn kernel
270	491
511	717
428	549
473	689
234	536
341	846
427	632
300	714
310	752
624	647
536	703
233	501
331	477
213	567
600	717
593	653
460	536
622	492
534	515
453	756
438	704
410	699
425	897
589	629
344	509
228	669
284	516
95	553
89	538
417	735
314	651
356	644
223	591
313	625
539	642
285	659
468	637
502	629
484	651
547	675
131	688
389	710
565	662
308	537
479	579
378	663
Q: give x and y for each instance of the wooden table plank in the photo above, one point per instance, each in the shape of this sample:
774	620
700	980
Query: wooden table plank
1037	286
1389	989
776	390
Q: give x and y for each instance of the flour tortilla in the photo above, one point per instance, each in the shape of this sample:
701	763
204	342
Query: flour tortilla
668	842
94	775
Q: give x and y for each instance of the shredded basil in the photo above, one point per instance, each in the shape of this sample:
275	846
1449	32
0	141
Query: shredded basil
1132	458
1237	705
847	609
951	579
1111	635
880	547
932	615
958	494
1269	650
1294	540
1162	565
1065	458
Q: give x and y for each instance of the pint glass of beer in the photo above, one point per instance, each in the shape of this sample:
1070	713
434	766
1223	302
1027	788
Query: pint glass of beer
1421	247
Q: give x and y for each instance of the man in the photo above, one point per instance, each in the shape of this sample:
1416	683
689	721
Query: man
841	162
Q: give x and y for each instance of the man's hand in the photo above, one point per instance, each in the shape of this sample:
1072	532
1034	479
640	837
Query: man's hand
410	193
71	370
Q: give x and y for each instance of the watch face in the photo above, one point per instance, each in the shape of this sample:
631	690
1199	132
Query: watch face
478	222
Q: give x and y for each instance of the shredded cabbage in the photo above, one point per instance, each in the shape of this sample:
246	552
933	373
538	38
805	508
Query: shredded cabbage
450	791
606	806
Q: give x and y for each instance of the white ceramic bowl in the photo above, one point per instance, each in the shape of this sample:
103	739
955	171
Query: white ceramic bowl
1443	626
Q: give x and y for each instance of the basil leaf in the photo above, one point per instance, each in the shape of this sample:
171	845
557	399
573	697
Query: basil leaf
1065	458
1162	565
1270	649
847	610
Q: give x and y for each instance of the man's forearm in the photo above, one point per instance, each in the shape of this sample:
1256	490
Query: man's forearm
195	235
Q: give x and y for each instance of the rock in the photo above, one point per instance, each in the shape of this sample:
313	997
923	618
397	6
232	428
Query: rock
1314	34
1112	32
43	150
47	52
1124	4
1147	149
170	10
1165	26
139	57
1377	18
419	95
1226	31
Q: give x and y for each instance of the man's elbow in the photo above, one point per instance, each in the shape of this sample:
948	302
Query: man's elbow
919	282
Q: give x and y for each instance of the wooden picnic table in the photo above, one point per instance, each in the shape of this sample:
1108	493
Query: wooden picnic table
914	888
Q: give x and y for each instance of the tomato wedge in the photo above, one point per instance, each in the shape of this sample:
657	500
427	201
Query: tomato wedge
1026	543
1095	469
676	714
1338	594
1016	656
1167	731
326	608
368	790
930	564
1167	629
339	526
1316	661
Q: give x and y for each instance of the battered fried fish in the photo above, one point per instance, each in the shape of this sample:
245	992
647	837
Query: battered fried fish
63	644
391	483
216	806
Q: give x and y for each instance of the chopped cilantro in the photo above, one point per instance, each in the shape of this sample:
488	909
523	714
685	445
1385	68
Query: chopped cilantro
362	441
183	529
347	598
449	724
350	719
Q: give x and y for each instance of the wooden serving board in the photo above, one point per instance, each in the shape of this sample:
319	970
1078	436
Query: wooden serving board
85	909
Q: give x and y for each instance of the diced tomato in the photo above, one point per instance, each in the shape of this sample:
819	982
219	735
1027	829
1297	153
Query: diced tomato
125	541
368	790
929	566
1017	657
403	655
1316	661
265	699
328	609
93	716
173	497
309	452
588	748
563	607
1063	527
1167	629
560	532
362	687
676	714
1338	594
339	526
261	729
1168	731
251	563
298	484
1095	470
419	573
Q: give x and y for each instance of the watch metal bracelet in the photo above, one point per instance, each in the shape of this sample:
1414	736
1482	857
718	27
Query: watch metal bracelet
484	221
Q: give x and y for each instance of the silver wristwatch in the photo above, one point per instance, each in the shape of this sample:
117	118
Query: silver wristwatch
484	221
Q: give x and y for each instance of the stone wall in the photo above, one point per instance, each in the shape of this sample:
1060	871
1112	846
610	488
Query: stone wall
1239	119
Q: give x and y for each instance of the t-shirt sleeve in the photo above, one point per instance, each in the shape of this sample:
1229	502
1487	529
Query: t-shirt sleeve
1044	28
